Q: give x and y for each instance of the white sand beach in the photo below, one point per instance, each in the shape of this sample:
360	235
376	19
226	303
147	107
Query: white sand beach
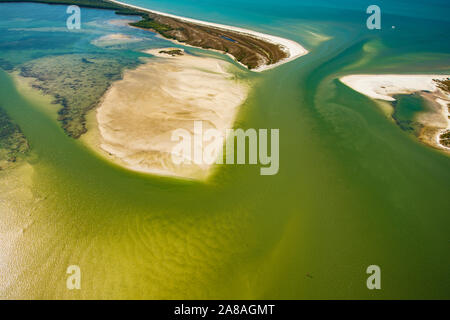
139	113
292	48
384	86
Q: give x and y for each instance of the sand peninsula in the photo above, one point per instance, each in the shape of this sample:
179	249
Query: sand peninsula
134	122
254	50
433	88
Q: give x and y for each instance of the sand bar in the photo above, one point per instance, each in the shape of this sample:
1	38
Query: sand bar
139	113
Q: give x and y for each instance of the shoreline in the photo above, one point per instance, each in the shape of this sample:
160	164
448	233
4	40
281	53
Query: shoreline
133	124
446	112
292	48
384	86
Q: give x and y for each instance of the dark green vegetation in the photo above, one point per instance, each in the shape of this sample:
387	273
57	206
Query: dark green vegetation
77	82
444	84
444	139
148	23
249	51
175	52
12	141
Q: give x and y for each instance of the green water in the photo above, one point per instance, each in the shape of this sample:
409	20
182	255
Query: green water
406	111
353	190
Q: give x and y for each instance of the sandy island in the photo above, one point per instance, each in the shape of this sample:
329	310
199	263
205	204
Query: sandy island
139	113
292	49
384	86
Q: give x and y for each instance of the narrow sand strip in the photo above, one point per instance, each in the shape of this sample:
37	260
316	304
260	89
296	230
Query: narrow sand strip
294	49
139	113
384	86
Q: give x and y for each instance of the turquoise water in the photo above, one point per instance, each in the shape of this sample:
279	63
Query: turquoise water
353	188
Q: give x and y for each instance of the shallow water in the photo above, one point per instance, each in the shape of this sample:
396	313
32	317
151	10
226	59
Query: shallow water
353	188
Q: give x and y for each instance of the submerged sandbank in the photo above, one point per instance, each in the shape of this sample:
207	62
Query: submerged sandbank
138	114
385	86
114	39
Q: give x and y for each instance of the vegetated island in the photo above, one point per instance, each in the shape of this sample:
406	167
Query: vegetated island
434	123
254	50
